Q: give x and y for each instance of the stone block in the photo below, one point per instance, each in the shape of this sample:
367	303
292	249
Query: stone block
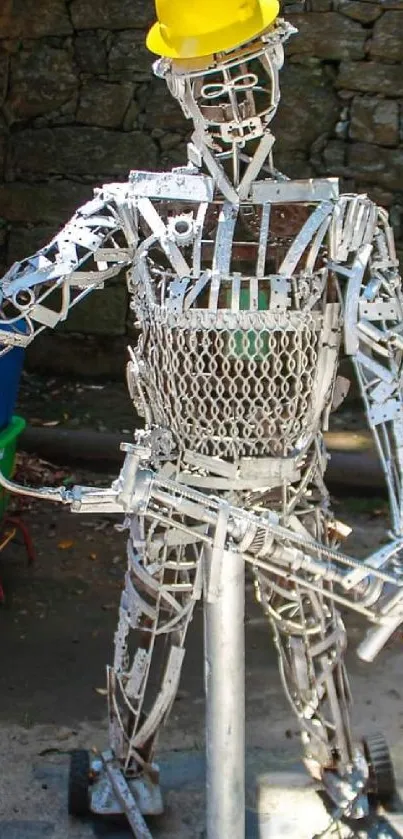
65	115
90	53
4	62
359	10
380	196
334	158
112	14
51	203
308	108
387	37
28	19
41	80
329	36
396	220
3	235
375	121
384	168
25	241
104	103
371	77
131	120
81	151
172	157
321	5
294	165
3	152
129	57
103	312
161	110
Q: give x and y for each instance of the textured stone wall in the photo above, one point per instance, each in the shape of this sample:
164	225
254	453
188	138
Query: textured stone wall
79	106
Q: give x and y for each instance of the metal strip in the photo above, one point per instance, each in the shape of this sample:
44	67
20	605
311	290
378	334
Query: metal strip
225	319
253	294
303	238
379	310
382	391
48	317
177	186
336	227
153	586
137	673
222	182
136	603
82	279
355	276
158	227
197	244
196	289
164	698
238	484
385	412
263	236
373	337
360	226
288	192
375	560
236	292
279	294
380	372
126	800
224	238
317	242
122	255
262	152
215	286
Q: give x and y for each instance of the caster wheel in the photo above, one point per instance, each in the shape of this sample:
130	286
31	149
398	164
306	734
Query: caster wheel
382	782
78	803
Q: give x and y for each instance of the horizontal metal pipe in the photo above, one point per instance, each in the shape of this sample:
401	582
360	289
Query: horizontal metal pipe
357	468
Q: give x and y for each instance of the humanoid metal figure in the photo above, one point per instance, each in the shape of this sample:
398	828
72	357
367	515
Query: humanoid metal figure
244	285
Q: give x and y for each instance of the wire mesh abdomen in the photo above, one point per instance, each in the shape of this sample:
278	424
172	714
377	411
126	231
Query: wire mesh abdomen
234	392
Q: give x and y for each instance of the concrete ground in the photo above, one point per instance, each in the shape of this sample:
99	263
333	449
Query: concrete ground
56	629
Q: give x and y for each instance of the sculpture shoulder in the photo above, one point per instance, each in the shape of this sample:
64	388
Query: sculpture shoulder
355	222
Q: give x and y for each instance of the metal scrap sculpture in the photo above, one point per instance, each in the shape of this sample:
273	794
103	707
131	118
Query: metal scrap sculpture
244	285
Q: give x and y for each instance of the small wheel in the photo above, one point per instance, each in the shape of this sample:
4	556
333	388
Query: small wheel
382	782
78	803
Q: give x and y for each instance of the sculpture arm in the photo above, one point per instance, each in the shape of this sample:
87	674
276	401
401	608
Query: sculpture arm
364	254
93	247
368	587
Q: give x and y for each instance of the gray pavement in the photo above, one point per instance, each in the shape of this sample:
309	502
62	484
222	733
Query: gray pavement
281	799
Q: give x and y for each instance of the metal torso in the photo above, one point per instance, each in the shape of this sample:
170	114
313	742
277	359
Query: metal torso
240	327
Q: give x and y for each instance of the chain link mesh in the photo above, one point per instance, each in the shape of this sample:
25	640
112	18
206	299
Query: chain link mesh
233	392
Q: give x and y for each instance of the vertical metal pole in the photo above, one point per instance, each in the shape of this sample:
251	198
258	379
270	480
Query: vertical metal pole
224	657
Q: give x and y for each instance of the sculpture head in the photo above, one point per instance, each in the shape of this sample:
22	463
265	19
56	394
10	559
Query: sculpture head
221	61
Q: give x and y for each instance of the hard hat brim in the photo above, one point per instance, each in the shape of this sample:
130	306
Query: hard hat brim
197	47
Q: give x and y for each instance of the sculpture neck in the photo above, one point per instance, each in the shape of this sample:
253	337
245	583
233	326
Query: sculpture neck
235	171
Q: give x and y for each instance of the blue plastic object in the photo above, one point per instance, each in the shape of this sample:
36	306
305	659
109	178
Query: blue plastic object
10	373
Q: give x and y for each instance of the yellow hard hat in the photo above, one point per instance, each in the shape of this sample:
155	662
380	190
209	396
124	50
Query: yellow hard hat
194	28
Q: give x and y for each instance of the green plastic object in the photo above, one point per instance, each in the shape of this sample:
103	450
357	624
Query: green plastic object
8	446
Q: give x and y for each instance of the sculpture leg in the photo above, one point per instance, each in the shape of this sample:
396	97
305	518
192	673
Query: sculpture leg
162	583
310	639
